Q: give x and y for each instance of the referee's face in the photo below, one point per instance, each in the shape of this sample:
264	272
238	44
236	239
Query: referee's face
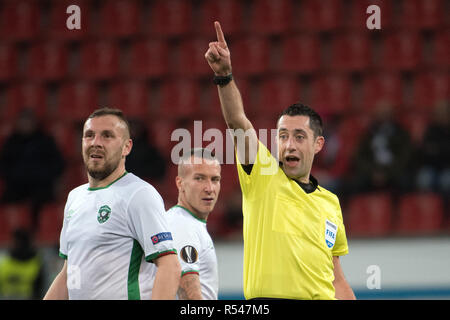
297	146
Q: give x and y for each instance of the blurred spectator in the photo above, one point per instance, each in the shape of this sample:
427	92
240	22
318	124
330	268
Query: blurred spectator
434	154
145	160
382	159
331	163
30	164
21	270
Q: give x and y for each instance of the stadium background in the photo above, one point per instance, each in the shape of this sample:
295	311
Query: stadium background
147	58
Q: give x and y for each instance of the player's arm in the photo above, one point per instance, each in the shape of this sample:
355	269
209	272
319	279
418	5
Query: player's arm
218	57
343	291
167	277
58	289
190	288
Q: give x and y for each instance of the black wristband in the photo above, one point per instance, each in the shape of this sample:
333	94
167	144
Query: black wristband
222	80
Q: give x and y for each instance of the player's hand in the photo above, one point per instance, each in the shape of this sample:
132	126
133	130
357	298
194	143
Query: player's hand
218	54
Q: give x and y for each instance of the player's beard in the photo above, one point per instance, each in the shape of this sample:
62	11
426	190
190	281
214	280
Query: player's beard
100	173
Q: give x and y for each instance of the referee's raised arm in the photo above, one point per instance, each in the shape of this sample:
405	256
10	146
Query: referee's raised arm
219	59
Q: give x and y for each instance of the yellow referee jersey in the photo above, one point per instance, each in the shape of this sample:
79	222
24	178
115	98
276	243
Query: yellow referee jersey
290	236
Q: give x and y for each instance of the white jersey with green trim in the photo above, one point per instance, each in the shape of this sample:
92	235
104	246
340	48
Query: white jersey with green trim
195	249
108	237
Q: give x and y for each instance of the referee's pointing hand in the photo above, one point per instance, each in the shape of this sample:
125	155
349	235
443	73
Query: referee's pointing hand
218	54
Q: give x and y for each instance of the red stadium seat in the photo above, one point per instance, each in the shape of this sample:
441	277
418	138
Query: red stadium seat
338	94
8	62
99	60
160	134
381	88
19	20
441	50
351	52
48	61
149	58
67	138
420	214
190	61
368	215
179	99
429	14
229	181
300	54
57	25
227	12
132	97
269	17
25	95
5	230
401	51
430	88
119	18
77	100
357	18
50	224
12	217
170	18
210	103
324	15
276	94
251	56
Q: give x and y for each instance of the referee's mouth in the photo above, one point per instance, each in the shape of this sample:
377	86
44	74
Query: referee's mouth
291	161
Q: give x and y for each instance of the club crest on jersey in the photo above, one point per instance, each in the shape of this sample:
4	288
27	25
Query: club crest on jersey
330	233
103	214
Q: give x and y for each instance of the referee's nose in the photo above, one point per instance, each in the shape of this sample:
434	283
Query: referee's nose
290	144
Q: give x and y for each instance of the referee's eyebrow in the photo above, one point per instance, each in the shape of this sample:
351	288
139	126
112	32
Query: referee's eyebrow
295	131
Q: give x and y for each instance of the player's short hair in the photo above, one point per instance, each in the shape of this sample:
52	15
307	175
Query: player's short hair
113	112
202	153
299	109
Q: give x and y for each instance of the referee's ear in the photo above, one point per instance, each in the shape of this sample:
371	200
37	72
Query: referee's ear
318	144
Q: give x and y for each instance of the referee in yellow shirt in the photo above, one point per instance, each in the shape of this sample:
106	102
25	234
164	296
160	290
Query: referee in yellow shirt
293	228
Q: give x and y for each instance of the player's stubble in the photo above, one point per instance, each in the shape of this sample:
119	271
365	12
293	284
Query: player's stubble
101	169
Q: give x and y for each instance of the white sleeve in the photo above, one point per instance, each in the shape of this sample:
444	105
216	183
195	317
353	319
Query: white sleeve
62	236
148	224
188	246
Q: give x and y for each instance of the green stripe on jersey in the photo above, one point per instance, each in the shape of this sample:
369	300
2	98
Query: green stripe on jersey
133	271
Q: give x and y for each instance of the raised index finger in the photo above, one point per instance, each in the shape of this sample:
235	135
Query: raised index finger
219	32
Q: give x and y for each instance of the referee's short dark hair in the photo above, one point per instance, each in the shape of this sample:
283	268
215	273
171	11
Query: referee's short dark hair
299	109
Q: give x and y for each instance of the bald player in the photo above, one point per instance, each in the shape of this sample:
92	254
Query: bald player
198	184
115	239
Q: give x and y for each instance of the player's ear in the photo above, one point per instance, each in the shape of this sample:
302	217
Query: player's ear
318	144
178	181
127	146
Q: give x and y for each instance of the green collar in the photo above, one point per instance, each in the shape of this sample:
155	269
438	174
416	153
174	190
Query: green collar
99	188
191	213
